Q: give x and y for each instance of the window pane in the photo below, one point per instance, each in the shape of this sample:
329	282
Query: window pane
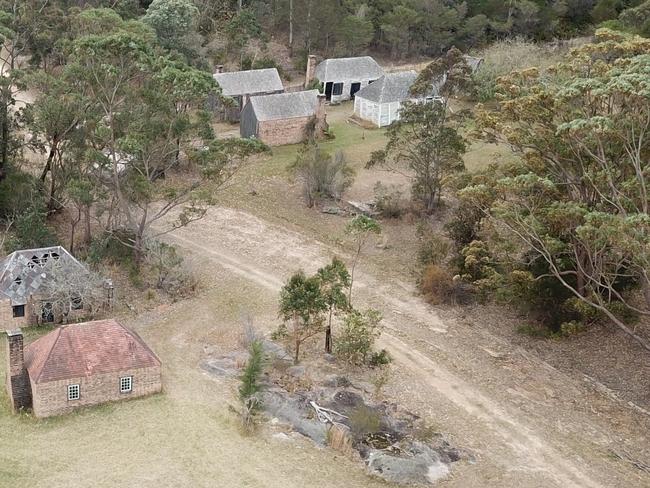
19	310
337	89
126	384
73	392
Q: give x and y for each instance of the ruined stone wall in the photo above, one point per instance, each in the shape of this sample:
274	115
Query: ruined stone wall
17	380
52	398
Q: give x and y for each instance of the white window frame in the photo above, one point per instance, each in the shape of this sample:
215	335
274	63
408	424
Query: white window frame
124	380
74	392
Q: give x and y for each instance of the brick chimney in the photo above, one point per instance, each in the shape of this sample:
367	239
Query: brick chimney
321	116
311	69
18	387
218	69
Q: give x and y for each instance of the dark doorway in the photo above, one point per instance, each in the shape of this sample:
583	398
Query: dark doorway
47	313
328	90
354	89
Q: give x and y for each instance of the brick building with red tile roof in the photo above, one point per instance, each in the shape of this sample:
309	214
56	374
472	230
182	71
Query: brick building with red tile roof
80	365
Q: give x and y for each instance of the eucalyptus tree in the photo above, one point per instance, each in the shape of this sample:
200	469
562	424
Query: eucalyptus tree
579	201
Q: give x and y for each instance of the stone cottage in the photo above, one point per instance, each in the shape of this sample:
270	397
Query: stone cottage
342	78
48	285
240	86
285	118
380	102
79	365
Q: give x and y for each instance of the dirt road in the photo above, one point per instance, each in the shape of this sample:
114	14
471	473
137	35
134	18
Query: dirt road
529	424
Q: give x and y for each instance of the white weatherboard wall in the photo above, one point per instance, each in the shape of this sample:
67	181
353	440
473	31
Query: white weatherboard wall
380	114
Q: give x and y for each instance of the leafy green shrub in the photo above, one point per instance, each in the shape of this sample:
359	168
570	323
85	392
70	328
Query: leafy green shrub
360	330
30	230
380	358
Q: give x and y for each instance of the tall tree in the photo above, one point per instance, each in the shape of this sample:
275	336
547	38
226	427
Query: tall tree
335	280
579	203
302	304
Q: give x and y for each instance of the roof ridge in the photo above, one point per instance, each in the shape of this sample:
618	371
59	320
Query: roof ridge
49	353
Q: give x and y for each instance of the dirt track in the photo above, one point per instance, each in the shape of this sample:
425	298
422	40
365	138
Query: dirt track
528	423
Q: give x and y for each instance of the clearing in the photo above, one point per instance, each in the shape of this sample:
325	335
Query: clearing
528	423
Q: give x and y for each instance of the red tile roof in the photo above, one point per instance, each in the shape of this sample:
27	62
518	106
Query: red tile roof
85	349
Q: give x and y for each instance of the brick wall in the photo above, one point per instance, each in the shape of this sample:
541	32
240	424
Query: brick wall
7	319
17	380
285	131
52	398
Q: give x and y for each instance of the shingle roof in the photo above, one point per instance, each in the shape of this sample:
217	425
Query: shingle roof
86	349
237	83
285	105
392	87
348	69
22	273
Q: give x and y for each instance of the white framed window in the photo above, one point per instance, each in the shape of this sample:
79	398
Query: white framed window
126	384
73	392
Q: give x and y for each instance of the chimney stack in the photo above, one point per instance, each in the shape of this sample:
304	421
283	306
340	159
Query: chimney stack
311	70
18	386
218	69
321	117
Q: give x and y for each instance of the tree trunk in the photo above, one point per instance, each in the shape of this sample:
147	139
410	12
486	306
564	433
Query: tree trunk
4	139
290	26
328	334
87	236
354	265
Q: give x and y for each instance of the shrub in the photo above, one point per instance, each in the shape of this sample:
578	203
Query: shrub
380	358
30	230
503	57
437	284
433	249
388	200
360	330
322	174
250	384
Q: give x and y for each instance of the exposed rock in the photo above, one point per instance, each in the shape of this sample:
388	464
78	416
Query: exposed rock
291	409
221	367
422	466
297	371
336	381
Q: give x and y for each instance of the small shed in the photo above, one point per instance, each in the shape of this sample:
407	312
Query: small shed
342	78
284	118
381	101
241	85
79	365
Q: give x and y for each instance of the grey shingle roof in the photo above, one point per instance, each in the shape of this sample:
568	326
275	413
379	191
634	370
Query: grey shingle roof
237	83
348	69
22	273
285	105
392	87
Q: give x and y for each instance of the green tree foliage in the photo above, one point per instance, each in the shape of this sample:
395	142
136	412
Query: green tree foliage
360	228
423	146
173	20
359	333
578	203
302	304
334	281
251	383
